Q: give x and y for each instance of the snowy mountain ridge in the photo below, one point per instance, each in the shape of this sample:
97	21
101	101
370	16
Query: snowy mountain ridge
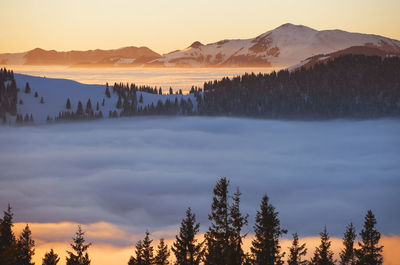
280	47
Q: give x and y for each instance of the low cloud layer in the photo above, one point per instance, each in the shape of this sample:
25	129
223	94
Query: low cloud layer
142	173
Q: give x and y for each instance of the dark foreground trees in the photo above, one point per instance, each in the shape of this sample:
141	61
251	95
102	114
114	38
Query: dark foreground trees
186	248
79	255
265	246
297	252
369	252
223	241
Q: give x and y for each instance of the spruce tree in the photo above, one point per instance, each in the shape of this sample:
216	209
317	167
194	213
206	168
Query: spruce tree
296	252
141	98
8	244
218	234
41	100
36	94
27	88
147	250
80	255
186	249
79	110
88	106
347	255
369	252
144	252
163	254
138	260
107	92
25	247
238	221
68	104
50	258
265	246
323	254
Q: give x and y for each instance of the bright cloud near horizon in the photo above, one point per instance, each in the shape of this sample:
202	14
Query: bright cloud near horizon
164	26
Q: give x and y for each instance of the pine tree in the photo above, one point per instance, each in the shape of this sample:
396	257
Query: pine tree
25	247
141	98
27	88
218	234
97	106
347	255
238	221
369	253
103	102
107	92
186	249
265	246
41	100
163	254
171	92
8	244
68	104
36	94
297	251
50	258
323	255
80	257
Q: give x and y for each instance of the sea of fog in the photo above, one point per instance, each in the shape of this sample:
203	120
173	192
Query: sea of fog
177	78
142	173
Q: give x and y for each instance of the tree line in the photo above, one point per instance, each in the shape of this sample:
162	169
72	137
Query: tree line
348	86
222	244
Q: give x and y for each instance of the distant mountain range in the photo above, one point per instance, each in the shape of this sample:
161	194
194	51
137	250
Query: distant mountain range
281	47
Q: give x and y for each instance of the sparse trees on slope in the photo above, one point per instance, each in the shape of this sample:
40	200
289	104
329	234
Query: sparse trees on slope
50	258
297	252
347	255
265	246
186	249
79	256
25	247
369	253
323	254
163	254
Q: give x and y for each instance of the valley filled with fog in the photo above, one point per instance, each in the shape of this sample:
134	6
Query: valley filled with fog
177	78
142	173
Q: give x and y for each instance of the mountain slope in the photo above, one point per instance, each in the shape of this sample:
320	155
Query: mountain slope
281	47
133	56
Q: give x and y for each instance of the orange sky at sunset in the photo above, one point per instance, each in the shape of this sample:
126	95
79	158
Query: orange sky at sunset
59	235
169	25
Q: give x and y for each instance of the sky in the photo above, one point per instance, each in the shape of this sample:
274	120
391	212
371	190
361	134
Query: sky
165	26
